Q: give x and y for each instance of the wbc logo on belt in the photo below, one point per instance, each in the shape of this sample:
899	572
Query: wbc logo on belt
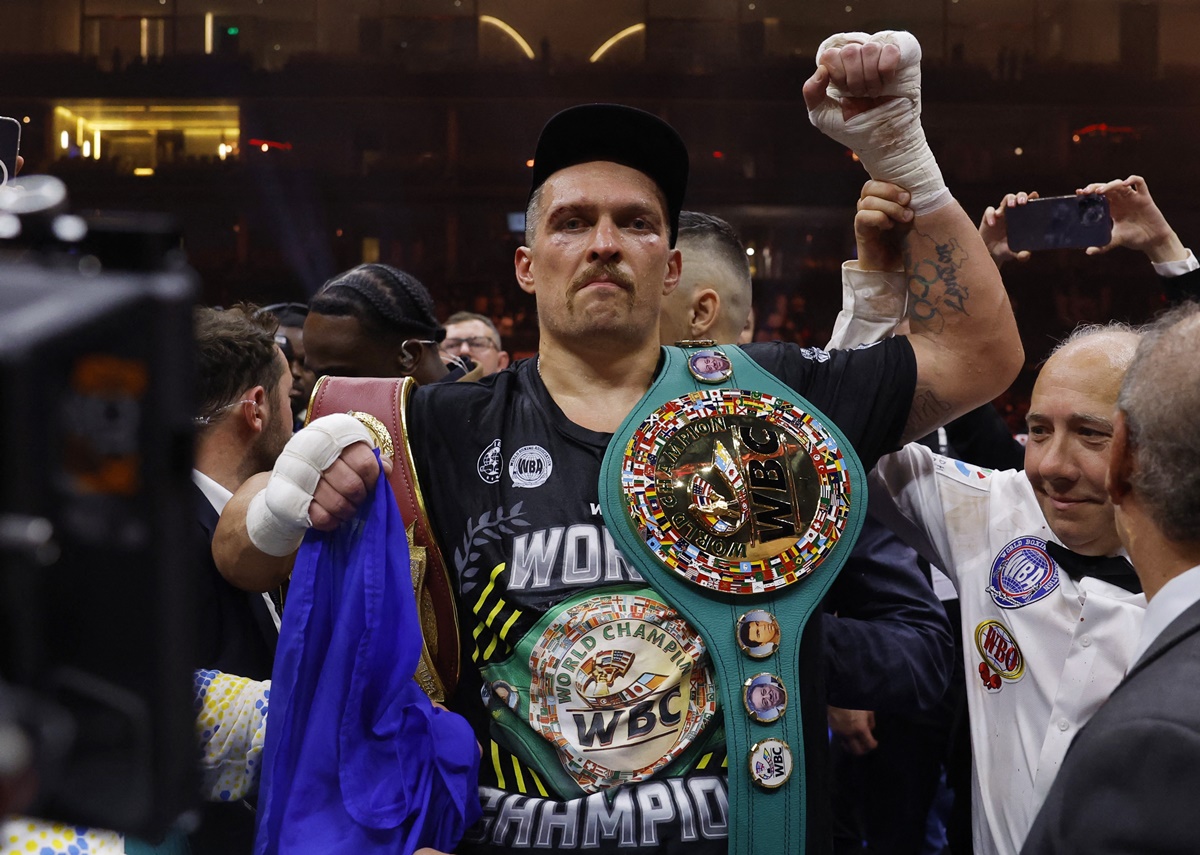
620	685
740	492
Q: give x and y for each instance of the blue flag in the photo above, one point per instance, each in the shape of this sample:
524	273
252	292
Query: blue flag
357	758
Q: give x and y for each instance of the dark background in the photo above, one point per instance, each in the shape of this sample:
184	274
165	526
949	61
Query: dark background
399	130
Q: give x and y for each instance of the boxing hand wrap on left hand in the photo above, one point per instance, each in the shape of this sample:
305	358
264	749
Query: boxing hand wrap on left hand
888	139
278	515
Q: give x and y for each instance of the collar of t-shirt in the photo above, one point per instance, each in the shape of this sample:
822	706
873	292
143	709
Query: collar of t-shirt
553	412
217	495
1172	600
533	377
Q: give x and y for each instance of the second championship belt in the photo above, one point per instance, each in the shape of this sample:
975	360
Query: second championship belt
381	404
739	502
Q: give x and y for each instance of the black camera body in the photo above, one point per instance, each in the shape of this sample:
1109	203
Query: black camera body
97	522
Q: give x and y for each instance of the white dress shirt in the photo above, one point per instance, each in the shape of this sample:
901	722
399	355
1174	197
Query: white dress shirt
1170	269
1172	600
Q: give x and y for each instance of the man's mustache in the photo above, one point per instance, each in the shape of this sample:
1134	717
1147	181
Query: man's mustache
608	272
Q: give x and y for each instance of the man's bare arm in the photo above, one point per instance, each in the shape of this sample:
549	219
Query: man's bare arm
961	325
865	94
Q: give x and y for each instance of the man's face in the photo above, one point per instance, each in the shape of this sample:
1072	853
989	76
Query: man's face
1070	431
765	696
278	428
302	379
337	345
476	340
762	632
601	259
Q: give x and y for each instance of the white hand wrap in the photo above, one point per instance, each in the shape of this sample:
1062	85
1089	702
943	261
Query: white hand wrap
278	515
888	139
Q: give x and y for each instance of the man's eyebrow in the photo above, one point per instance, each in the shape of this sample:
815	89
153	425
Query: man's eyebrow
641	205
633	206
570	208
1091	419
1074	418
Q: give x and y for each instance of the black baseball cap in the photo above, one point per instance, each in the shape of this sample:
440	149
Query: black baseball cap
619	134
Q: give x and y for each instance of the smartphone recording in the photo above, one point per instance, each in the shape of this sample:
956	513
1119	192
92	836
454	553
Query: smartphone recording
1059	222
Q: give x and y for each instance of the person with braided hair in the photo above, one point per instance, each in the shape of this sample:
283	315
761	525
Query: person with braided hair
374	321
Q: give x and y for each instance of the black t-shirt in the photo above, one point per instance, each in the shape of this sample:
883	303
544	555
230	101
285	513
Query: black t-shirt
511	486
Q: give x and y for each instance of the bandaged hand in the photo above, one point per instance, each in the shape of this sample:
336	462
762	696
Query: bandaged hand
866	94
278	515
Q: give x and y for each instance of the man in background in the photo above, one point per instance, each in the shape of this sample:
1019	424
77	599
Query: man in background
712	300
472	335
290	336
374	320
243	421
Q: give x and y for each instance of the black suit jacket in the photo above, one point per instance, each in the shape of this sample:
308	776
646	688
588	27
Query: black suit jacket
1130	782
235	632
890	648
1180	288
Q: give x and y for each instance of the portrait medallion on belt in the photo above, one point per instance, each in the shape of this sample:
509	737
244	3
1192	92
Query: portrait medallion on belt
740	492
710	366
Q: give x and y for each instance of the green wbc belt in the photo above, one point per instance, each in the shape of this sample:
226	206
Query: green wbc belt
739	502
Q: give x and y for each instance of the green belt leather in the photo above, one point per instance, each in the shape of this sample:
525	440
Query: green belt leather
649	508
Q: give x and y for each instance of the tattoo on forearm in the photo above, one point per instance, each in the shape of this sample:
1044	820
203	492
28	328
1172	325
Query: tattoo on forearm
934	283
927	410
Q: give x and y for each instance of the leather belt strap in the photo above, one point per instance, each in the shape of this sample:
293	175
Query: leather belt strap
677	535
380	403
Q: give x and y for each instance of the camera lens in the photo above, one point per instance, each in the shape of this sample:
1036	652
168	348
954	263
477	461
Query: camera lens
1093	212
